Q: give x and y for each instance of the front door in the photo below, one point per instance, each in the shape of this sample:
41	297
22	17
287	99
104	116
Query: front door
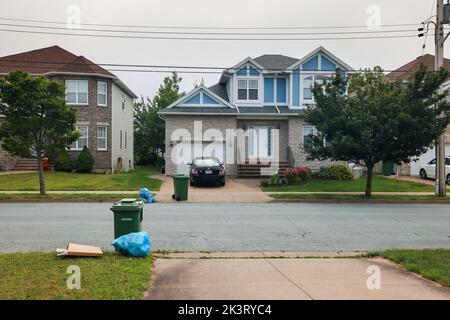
260	142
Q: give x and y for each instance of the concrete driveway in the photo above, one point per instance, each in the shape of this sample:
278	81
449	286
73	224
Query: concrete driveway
235	190
299	279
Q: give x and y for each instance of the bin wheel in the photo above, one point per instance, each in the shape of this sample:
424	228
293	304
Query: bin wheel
178	198
173	197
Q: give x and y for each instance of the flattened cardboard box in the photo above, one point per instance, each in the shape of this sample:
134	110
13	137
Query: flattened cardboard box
81	250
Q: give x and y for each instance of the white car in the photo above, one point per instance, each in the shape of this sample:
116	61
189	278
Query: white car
429	170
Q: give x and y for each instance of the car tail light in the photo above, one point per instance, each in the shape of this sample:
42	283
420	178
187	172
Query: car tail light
221	170
194	171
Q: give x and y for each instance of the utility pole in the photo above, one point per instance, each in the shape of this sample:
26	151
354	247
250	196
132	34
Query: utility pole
438	63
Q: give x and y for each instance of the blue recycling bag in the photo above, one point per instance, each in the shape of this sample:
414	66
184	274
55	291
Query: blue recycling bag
135	244
145	194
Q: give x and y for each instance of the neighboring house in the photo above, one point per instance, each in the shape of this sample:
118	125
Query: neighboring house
104	106
261	100
403	73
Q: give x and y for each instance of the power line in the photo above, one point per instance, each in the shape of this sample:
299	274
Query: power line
207	33
209	38
169	69
209	28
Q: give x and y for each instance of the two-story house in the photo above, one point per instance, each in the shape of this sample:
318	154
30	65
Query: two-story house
251	118
103	102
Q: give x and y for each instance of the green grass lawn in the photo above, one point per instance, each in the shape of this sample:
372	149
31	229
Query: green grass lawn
21	196
433	264
62	181
356	197
43	276
380	184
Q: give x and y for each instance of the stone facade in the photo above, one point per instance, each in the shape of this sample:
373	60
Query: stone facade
290	135
174	122
93	115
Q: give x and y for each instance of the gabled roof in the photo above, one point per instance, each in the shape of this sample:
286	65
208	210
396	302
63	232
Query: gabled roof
176	104
405	71
56	60
275	61
50	59
316	51
221	90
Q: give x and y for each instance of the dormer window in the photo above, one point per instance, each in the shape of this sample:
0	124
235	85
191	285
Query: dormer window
248	84
248	90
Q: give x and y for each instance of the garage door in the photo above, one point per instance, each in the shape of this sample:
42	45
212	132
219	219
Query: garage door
185	152
425	158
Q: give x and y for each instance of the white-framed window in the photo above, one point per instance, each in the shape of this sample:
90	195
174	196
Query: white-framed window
121	139
82	140
123	101
248	89
126	140
102	138
308	84
260	142
77	91
102	93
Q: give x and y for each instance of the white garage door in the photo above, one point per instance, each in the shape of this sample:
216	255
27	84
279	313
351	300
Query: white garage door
185	152
425	158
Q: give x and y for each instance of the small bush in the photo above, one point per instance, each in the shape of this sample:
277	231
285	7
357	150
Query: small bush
323	173
341	172
85	161
63	161
297	174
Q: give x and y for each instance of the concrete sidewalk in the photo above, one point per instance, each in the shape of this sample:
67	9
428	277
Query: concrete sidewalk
293	279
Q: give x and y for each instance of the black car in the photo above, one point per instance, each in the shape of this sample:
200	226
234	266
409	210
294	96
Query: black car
206	170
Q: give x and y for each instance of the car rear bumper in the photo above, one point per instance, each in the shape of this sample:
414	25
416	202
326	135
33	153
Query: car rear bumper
207	178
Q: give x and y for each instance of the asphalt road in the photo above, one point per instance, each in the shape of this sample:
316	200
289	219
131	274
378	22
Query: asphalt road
232	227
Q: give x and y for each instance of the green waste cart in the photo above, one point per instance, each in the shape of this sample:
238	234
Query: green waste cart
128	215
180	187
388	168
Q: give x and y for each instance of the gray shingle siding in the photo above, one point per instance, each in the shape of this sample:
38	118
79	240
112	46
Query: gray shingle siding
221	91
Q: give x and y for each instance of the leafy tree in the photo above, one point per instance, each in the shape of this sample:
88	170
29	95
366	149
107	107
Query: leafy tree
366	119
85	161
37	119
149	128
63	161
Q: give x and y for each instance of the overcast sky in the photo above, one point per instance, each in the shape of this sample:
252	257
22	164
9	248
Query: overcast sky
388	53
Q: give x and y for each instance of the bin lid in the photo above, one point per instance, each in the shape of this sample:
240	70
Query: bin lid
128	202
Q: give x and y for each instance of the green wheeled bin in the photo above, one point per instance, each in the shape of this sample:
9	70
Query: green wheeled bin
180	187
128	215
388	168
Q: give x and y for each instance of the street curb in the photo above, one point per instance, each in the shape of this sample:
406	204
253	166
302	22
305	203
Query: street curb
373	201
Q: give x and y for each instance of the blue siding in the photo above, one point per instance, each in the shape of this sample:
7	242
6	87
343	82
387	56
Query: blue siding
193	100
269	93
208	100
253	72
312	64
327	65
296	88
242	72
281	90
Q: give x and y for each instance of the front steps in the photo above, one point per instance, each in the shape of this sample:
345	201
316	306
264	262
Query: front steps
258	170
26	164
